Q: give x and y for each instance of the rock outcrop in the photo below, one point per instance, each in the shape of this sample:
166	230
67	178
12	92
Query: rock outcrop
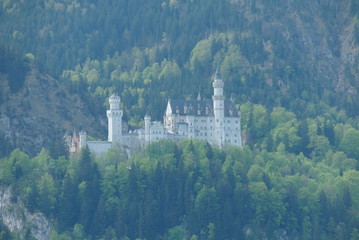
41	112
18	219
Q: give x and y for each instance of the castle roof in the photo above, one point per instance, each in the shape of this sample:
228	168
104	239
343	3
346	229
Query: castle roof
114	97
199	108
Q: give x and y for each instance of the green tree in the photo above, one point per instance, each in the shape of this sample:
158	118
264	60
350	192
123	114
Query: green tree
206	207
255	173
47	194
281	115
20	163
78	233
351	177
268	206
350	143
68	201
176	233
303	133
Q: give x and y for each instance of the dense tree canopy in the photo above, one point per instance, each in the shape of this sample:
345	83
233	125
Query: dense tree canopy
289	66
171	49
192	190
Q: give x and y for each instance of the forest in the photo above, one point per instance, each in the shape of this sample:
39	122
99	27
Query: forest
296	178
291	68
170	49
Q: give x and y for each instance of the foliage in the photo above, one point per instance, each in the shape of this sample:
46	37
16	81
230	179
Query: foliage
192	190
14	67
298	171
172	48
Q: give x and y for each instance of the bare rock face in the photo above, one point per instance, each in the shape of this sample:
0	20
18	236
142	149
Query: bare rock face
41	112
18	219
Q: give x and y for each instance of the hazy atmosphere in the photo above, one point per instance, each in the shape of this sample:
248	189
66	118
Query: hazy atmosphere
179	119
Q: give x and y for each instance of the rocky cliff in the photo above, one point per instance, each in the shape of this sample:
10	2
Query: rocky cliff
42	111
18	219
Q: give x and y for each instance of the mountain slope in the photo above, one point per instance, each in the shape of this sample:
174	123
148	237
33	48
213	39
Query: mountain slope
41	112
300	55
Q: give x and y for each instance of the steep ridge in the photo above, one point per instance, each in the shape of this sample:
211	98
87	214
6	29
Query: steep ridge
41	113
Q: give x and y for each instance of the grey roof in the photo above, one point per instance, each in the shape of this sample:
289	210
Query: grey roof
201	108
114	97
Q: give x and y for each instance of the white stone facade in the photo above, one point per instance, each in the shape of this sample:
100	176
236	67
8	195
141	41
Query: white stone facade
216	121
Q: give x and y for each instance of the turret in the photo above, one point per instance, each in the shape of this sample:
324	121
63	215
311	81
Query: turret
147	129
114	116
114	101
218	108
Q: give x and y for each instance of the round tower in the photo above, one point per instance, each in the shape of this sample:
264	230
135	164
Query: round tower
218	108
147	129
114	116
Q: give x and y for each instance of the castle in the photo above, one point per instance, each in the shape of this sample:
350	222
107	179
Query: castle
216	121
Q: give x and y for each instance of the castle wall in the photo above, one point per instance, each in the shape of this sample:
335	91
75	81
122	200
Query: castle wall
99	147
232	131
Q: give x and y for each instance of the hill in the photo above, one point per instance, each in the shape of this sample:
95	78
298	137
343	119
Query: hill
189	190
282	53
290	66
39	113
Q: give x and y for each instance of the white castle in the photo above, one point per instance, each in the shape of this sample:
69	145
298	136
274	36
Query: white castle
216	121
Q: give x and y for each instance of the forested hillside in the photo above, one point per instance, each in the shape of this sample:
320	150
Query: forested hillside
291	67
298	181
285	53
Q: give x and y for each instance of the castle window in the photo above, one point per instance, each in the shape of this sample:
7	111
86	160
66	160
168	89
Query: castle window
236	121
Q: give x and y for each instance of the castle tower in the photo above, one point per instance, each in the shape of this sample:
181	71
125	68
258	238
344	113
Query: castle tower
114	116
83	138
147	129
218	108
